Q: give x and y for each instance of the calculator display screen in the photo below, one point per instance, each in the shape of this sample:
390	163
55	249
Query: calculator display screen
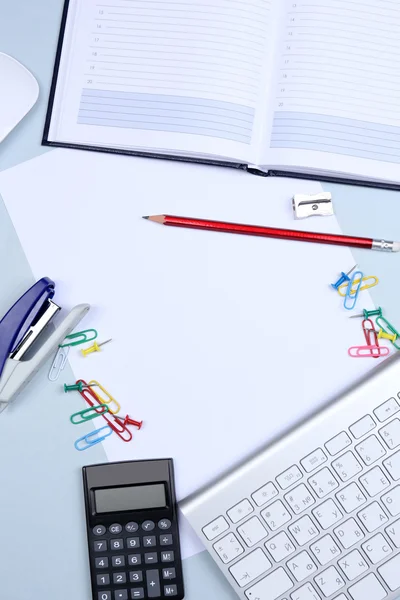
138	497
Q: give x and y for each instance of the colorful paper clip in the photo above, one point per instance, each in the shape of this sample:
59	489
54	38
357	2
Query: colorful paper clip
95	348
90	439
388	329
58	364
366	314
371	336
108	400
80	337
368	351
93	400
128	421
366	286
353	290
343	278
87	414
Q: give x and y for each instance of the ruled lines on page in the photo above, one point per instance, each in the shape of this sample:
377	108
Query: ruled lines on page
185	66
338	85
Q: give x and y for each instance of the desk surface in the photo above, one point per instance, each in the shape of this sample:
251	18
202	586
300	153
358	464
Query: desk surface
49	533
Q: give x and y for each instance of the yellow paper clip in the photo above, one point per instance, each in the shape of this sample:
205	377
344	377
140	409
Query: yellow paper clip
110	399
374	281
387	336
95	348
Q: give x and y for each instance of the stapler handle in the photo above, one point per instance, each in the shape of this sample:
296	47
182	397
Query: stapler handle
14	321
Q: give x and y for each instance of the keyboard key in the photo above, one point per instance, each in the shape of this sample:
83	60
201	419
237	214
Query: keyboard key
301	566
137	594
119	578
151	558
153	583
100	546
134	559
228	548
118	561
370	450
369	587
392	501
271	587
121	595
130	542
117	544
265	494
391	434
353	565
313	460
169	573
252	532
329	581
392	466
249	568
149	541
351	497
374	482
303	530
101	562
115	528
327	514
299	499
131	527
99	530
393	531
280	546
104	596
372	517
323	483
325	550
276	515
240	511
348	533
346	466
103	579
338	443
166	539
215	528
390	573
305	592
361	427
148	525
289	477
136	576
386	410
170	590
377	548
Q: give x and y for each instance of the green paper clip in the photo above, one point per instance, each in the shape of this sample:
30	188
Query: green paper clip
88	414
80	337
77	387
385	326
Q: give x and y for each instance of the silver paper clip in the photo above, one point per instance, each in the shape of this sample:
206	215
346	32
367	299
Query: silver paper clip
59	362
306	205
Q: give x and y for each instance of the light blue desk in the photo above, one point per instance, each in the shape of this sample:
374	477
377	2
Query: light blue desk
42	534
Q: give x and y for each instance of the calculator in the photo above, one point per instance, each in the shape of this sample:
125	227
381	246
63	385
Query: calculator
132	530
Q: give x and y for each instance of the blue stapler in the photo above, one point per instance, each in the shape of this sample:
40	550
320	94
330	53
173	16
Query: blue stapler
21	354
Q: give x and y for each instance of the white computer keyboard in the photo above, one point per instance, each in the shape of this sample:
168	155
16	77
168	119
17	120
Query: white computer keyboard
316	514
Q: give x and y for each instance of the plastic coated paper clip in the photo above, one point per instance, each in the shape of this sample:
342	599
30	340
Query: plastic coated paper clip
58	364
90	439
353	290
373	281
110	399
87	414
368	351
95	348
371	336
343	279
80	337
388	329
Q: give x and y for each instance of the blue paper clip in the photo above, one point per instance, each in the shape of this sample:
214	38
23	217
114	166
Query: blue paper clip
388	327
353	289
87	439
80	337
342	279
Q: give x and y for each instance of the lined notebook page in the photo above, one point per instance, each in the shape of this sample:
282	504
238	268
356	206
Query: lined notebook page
338	87
187	67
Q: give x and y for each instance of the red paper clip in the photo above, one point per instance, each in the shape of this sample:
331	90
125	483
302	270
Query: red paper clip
368	351
371	337
92	399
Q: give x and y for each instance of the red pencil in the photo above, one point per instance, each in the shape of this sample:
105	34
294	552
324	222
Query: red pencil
272	232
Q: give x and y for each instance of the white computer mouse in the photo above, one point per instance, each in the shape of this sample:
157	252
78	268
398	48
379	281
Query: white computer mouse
19	91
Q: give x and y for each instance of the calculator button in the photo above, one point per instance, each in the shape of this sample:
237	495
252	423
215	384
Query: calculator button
118	561
104	596
121	595
164	524
134	559
170	590
103	579
117	544
119	578
137	594
131	527
100	546
136	576
153	584
167	556
169	573
133	542
166	539
115	528
148	525
149	541
99	530
150	558
101	562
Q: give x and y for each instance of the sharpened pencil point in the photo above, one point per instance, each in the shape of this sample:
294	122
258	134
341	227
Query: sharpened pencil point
145	217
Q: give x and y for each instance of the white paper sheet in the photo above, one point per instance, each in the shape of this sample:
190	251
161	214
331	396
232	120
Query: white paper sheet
220	342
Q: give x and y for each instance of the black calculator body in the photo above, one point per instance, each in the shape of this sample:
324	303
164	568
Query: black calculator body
132	530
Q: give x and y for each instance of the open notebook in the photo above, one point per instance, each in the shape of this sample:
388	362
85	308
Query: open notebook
306	87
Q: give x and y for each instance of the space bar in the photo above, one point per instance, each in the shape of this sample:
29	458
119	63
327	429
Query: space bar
271	587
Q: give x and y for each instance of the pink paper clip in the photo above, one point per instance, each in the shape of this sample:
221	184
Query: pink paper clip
371	337
93	400
368	351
